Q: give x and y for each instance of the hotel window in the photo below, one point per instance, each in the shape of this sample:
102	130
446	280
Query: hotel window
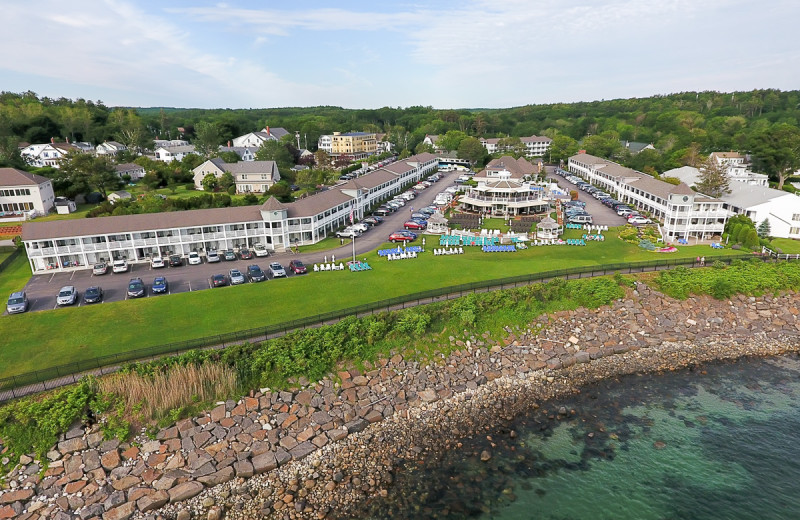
796	217
794	231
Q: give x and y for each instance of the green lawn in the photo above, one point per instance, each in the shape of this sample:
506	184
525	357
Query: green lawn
787	245
183	191
48	338
81	212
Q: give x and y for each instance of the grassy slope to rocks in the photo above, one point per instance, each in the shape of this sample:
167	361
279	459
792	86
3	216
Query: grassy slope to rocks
459	387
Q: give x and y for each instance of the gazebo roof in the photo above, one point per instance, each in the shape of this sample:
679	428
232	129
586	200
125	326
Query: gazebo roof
547	223
437	218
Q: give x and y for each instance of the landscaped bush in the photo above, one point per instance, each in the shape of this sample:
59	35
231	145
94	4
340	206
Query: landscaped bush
752	277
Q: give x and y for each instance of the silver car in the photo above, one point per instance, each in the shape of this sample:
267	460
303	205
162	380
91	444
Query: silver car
236	277
277	270
67	295
17	302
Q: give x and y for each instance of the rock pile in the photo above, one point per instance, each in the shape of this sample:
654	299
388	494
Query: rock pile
314	452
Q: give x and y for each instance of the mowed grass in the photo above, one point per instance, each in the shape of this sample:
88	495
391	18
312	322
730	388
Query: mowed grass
44	339
787	245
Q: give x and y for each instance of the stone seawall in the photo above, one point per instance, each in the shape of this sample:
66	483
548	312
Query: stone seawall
319	451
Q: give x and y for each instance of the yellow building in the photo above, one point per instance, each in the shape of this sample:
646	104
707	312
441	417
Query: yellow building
354	144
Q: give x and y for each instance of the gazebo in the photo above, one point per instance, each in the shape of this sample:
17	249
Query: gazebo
437	224
548	229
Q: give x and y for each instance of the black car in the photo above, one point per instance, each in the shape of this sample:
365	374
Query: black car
175	260
93	294
219	280
136	288
255	274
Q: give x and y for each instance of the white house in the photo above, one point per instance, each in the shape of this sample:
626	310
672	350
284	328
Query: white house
245	153
505	189
431	140
110	148
535	146
249	176
760	203
256	139
173	153
325	143
48	154
23	194
685	213
119	195
168	143
78	244
134	171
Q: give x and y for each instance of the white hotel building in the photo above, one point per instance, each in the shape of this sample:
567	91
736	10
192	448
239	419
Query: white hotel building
685	213
77	244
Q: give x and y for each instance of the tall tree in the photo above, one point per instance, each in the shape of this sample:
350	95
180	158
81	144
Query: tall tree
472	150
562	148
451	140
777	151
714	180
275	151
207	139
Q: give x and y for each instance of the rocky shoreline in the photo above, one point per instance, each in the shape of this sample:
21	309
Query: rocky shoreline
323	450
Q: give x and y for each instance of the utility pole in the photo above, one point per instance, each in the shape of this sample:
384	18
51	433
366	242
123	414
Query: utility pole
297	136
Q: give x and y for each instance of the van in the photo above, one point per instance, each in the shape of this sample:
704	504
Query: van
17	303
580	219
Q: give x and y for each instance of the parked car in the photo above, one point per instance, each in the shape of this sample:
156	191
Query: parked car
381	212
119	266
229	255
360	227
175	260
194	258
414	224
93	294
245	254
136	288
348	232
261	250
372	221
236	277
160	285
157	262
17	302
580	219
277	270
255	274
100	269
219	280
639	220
402	236
297	267
67	295
212	256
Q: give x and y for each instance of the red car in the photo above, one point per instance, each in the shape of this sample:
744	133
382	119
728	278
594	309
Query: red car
413	224
297	267
402	236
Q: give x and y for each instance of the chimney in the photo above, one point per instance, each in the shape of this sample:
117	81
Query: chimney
229	144
67	140
268	134
52	140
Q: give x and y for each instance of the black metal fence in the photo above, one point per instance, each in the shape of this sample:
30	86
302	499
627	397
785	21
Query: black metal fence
48	378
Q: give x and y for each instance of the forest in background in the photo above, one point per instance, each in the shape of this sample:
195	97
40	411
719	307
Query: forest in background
681	126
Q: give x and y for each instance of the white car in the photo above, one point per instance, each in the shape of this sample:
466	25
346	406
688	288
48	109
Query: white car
157	262
260	250
360	226
119	266
639	220
212	256
348	232
277	270
194	258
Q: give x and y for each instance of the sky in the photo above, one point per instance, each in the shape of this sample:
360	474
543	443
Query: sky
358	54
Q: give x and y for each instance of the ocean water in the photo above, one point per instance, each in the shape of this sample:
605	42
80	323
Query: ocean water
717	442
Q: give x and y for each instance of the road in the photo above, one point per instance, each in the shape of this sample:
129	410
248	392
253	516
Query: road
42	289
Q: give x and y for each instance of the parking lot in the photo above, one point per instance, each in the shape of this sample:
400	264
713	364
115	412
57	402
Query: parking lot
601	215
42	289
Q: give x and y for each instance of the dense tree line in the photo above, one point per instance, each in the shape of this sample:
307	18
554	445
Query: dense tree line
682	127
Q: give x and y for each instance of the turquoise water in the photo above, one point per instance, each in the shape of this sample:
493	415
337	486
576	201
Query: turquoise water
718	443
